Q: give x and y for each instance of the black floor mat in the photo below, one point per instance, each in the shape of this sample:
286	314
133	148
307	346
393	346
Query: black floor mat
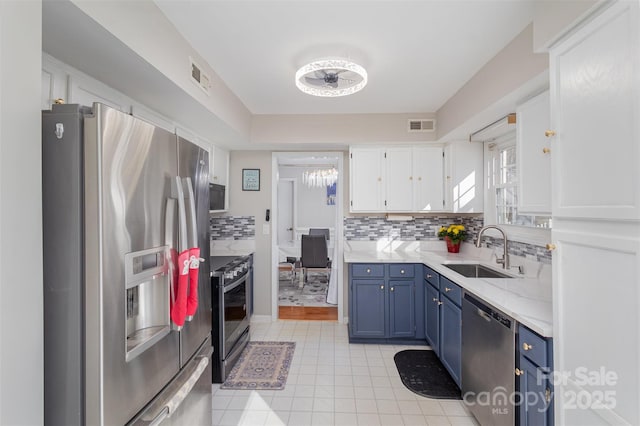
422	372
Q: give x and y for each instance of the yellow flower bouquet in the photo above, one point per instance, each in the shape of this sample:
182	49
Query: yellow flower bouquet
453	235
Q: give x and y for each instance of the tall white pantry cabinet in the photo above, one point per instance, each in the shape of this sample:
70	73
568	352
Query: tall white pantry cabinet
595	154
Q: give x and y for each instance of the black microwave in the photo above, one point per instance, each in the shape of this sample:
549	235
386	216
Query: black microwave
216	196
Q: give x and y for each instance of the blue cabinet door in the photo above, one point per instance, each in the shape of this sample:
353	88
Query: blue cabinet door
368	308
451	338
401	309
535	391
432	316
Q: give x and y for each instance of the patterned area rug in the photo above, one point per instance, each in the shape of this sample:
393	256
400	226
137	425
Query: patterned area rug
262	365
314	292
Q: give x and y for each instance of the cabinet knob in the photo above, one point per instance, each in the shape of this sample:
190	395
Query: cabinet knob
402	271
526	346
381	287
58	101
546	150
519	372
429	276
391	289
419	177
447	289
368	270
439	303
549	133
379	179
215	178
547	395
550	246
435	299
410	177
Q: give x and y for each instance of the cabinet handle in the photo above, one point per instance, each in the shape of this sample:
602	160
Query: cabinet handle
368	270
550	246
447	289
519	372
439	303
549	133
402	271
526	346
546	150
429	276
547	395
381	287
391	289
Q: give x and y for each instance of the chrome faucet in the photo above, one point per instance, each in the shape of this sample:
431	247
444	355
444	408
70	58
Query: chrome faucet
504	260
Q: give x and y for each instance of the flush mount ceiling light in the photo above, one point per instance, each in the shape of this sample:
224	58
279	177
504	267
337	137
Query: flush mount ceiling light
331	78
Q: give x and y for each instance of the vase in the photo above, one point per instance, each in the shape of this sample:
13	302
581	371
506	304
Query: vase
452	247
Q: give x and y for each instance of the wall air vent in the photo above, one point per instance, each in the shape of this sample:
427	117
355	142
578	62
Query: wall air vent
426	125
198	76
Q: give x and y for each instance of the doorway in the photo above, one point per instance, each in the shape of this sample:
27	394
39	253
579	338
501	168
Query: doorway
298	292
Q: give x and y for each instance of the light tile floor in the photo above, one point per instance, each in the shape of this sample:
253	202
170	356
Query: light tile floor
332	382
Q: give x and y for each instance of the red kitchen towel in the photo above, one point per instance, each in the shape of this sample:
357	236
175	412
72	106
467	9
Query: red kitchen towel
179	308
194	266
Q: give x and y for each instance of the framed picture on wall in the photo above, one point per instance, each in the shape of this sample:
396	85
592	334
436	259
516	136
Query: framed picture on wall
251	179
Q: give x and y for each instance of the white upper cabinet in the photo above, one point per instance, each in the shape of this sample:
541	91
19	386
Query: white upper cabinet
86	91
396	179
219	166
463	182
595	111
366	179
54	84
399	183
427	178
534	156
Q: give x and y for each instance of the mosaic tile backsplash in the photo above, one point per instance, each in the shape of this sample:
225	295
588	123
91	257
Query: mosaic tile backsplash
373	228
233	227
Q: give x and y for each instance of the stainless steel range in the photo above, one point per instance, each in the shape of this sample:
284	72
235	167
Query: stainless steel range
231	293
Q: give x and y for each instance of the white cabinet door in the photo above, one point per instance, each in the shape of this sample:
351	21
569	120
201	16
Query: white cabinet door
399	182
366	170
428	175
144	113
596	289
219	166
85	91
533	156
595	110
464	188
54	84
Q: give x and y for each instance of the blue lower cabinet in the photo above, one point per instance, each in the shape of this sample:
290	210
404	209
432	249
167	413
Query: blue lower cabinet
535	362
368	308
388	307
401	309
432	317
451	337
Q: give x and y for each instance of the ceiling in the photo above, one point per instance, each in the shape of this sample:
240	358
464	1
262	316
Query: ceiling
417	53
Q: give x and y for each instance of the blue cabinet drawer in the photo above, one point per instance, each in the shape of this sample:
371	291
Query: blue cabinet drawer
532	346
367	270
452	290
432	277
401	271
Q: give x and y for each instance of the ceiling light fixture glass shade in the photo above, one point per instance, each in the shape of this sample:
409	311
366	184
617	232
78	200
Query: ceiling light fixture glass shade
331	78
320	178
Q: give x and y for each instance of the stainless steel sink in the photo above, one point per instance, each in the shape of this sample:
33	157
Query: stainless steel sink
475	270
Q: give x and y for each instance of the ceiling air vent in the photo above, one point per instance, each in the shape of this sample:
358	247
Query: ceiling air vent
198	76
428	125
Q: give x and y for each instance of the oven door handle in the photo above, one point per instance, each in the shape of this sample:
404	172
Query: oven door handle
235	283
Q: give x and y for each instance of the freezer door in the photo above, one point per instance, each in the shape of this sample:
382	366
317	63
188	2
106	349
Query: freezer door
193	164
131	352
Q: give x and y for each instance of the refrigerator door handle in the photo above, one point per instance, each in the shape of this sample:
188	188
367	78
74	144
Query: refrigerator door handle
193	232
178	194
160	417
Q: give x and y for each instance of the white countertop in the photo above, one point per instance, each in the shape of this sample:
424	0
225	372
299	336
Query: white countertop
232	247
526	298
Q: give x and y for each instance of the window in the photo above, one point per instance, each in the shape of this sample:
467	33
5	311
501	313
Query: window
502	186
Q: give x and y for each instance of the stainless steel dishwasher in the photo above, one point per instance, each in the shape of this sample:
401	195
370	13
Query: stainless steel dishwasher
488	363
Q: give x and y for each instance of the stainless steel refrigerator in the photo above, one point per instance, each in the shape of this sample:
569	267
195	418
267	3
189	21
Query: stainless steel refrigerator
122	199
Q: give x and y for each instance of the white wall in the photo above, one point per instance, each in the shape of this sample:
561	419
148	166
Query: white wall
254	203
313	211
21	309
511	68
